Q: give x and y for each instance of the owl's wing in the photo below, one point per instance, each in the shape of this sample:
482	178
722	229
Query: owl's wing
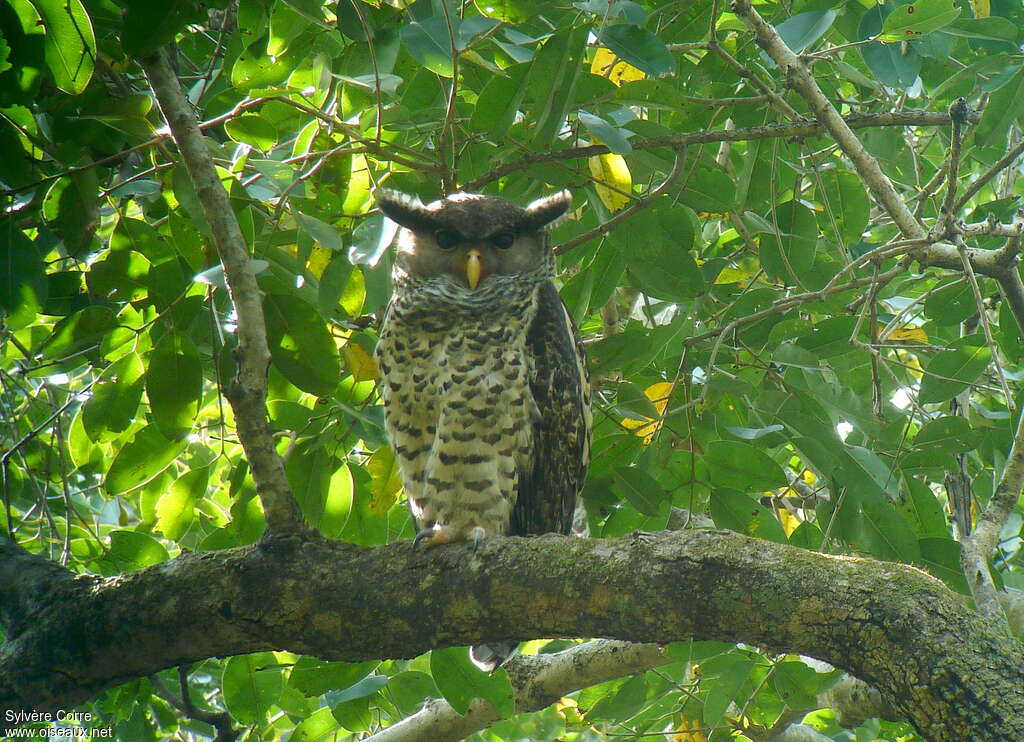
561	436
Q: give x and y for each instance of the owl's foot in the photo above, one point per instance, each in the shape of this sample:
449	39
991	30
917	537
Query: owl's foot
436	534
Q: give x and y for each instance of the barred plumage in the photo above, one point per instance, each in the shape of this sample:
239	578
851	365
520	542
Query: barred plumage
484	381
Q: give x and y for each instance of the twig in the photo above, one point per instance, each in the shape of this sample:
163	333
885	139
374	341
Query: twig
979	301
638	205
221	721
958	115
978	183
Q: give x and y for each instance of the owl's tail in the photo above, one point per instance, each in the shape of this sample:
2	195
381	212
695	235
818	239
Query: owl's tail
489	657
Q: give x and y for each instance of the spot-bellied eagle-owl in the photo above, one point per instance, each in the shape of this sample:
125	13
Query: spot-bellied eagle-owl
485	388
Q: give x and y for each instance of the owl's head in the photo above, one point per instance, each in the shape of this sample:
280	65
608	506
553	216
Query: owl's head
469	238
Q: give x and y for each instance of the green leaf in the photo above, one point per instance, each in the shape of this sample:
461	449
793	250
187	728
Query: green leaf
895	65
411	688
949	434
69	45
430	44
604	132
639	47
251	684
741	466
174	385
325	234
796	683
639	489
311	470
286	25
301	347
731	673
78	332
175	510
950	372
252	130
551	84
149	25
320	726
993	28
908	22
1005	108
71	208
843	195
130	551
313	677
460	681
143	457
951	304
618	699
659	261
743	514
941	558
789	254
500	99
922	509
114	403
23	285
885	534
803	29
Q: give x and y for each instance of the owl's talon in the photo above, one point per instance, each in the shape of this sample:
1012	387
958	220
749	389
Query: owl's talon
426	534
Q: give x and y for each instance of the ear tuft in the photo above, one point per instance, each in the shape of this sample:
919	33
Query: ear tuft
547	211
404	209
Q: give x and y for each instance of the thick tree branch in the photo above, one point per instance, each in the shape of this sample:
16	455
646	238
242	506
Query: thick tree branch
935	661
248	390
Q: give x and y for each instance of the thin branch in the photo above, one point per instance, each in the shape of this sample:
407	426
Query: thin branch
978	183
958	112
537	681
221	721
637	206
797	129
247	392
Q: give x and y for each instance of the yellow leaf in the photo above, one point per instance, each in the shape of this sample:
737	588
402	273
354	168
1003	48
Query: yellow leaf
982	8
606	64
732	275
689	731
788	520
647	427
907	333
385	481
611	170
359	363
318	260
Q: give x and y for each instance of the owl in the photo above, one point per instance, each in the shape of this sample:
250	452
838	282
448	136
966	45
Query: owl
483	377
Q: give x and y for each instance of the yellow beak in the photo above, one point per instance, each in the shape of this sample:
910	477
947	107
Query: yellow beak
473	268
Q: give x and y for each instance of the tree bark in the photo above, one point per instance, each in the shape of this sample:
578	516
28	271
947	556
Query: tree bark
895	627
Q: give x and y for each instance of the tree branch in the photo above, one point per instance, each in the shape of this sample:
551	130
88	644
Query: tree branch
796	129
888	624
248	390
804	83
537	682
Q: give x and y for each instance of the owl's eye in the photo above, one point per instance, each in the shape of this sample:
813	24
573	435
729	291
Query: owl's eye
447	238
503	240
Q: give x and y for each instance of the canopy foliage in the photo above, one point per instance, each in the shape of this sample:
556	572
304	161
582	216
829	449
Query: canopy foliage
777	349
